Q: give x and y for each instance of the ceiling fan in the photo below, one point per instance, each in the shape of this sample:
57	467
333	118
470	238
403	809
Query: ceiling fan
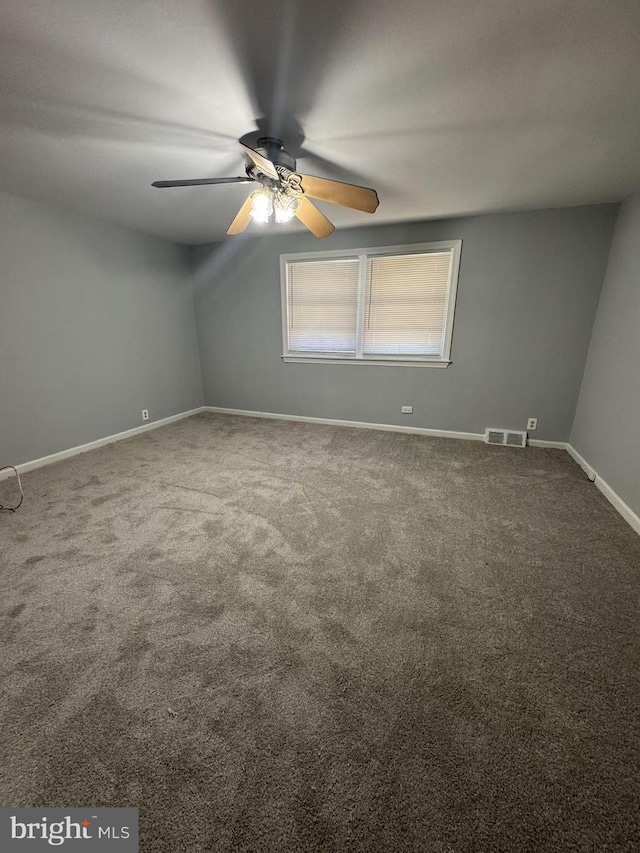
285	193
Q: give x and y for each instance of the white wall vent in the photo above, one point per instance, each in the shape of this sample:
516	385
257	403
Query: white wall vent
508	437
494	436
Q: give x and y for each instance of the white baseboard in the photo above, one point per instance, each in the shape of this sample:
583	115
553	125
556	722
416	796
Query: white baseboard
553	445
613	497
623	508
588	470
100	442
441	433
438	433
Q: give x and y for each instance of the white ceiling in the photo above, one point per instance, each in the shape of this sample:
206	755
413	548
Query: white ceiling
445	106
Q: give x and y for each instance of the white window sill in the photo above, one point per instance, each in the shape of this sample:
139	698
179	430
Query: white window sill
390	362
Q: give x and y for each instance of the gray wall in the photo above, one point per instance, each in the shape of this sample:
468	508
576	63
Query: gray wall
606	431
528	292
96	323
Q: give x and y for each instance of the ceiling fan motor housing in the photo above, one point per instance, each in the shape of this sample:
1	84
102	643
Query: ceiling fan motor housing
273	150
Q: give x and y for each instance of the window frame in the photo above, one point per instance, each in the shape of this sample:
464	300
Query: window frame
296	357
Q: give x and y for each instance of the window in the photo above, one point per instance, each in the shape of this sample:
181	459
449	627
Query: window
371	306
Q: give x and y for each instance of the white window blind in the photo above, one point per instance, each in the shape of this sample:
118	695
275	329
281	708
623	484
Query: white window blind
322	302
392	305
405	304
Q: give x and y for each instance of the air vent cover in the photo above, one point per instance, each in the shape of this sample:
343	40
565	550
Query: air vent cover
494	436
516	439
510	438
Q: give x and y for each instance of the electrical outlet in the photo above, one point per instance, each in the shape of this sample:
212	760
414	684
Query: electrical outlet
145	414
532	424
407	410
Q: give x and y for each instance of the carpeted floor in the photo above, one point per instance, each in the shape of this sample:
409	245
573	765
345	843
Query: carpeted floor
273	636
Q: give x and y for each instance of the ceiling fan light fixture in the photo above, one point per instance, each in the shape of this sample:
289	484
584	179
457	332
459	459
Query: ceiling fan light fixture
261	205
285	207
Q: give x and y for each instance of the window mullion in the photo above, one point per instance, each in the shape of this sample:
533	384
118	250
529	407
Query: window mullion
362	289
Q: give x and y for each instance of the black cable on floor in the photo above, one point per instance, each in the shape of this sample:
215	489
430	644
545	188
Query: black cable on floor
19	504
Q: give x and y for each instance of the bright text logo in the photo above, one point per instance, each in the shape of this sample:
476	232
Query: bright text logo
92	829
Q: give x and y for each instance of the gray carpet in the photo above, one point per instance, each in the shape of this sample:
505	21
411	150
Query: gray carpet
272	636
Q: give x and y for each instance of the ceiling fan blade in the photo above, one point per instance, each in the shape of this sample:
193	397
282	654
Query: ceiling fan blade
196	182
243	218
310	216
346	195
261	162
